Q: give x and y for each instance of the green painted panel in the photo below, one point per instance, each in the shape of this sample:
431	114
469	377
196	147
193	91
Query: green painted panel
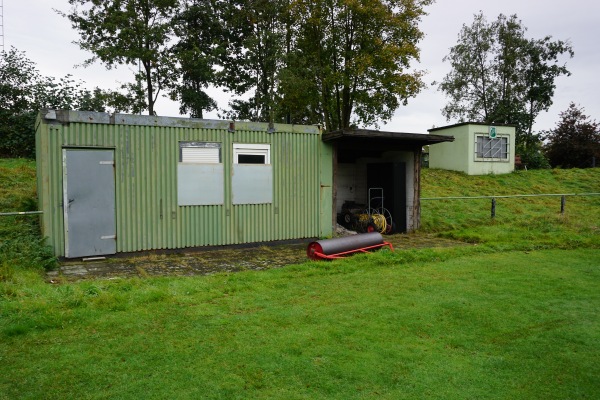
251	184
326	187
146	165
200	184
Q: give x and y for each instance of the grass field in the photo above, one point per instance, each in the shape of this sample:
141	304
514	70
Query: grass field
516	316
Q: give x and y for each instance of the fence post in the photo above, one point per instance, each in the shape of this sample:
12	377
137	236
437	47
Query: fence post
563	201
493	207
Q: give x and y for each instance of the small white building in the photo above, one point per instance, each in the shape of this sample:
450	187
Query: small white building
477	149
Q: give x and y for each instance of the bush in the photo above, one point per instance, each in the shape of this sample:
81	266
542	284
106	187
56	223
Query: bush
575	142
22	247
17	134
534	159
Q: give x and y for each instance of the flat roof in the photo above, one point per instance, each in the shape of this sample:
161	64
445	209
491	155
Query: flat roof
356	143
466	123
391	138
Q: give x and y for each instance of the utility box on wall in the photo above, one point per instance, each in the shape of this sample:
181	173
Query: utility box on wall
478	149
125	183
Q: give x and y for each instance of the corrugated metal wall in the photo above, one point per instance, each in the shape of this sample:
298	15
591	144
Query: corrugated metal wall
146	158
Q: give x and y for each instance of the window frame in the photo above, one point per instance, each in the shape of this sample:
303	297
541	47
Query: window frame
482	153
252	149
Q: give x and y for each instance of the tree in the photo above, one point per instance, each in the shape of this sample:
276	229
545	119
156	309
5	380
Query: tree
575	142
356	55
62	94
201	35
331	62
18	77
299	99
499	76
254	53
24	91
130	32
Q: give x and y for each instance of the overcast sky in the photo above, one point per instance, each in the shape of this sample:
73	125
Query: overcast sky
47	39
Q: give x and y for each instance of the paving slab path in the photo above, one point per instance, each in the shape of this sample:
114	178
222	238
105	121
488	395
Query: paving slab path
201	261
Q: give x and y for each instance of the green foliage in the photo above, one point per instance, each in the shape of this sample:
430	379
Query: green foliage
18	80
257	40
21	247
17	136
331	62
357	56
127	32
24	91
18	83
300	101
500	76
575	142
201	33
533	155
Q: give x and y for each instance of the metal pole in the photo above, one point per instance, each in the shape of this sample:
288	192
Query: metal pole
563	201
1	26
21	213
493	207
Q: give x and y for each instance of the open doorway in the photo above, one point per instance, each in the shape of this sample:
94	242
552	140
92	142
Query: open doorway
391	178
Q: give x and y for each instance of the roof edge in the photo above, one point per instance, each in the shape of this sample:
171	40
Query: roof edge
418	138
468	123
66	117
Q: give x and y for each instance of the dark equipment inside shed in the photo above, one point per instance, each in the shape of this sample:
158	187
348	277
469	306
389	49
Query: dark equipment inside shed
391	161
391	178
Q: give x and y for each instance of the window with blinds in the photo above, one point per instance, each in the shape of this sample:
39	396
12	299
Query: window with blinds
200	152
200	174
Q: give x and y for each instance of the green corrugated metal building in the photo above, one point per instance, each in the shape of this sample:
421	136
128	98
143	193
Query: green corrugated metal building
124	183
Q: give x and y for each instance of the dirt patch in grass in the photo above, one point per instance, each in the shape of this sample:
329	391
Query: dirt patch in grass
210	261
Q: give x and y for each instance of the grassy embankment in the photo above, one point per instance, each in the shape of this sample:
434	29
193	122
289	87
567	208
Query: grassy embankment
517	316
520	223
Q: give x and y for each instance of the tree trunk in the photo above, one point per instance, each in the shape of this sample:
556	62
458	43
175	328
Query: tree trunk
346	107
149	87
